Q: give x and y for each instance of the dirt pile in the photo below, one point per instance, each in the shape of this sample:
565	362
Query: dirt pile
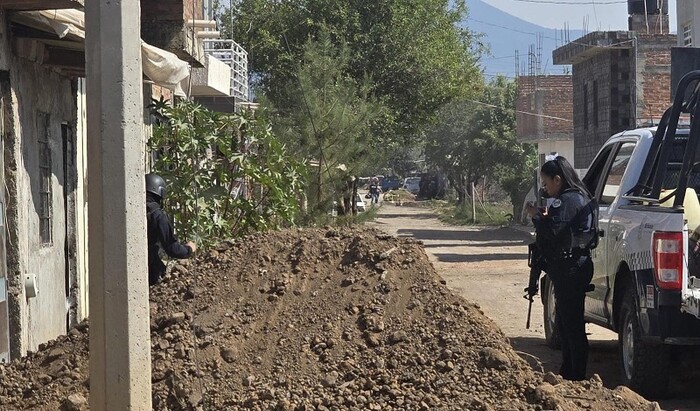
314	319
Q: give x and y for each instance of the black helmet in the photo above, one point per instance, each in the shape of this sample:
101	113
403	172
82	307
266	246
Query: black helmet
155	185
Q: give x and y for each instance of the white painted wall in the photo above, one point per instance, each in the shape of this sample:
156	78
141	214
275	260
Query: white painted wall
212	80
34	89
564	148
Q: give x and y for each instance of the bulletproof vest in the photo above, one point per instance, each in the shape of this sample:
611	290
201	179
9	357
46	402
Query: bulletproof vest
581	228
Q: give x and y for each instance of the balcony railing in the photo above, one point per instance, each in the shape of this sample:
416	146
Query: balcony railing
235	57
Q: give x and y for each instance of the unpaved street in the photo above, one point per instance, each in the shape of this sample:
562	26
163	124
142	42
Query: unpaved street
488	265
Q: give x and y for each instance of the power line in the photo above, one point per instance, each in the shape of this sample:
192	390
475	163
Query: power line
549	37
498	58
521	111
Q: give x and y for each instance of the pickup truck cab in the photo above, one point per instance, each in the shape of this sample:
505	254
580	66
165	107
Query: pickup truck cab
647	263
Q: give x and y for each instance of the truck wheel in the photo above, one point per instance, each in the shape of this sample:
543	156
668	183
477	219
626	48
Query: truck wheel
645	365
551	328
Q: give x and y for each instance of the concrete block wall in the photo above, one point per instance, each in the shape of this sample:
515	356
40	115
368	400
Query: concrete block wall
164	25
550	96
688	14
172	10
605	78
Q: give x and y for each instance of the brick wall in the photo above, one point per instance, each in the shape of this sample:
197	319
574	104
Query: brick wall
547	96
653	77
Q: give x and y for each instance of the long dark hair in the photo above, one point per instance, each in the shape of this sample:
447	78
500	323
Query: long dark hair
562	168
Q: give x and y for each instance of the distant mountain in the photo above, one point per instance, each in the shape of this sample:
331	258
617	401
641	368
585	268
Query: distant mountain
505	34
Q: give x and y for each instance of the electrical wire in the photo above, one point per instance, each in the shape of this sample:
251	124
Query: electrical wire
528	113
552	38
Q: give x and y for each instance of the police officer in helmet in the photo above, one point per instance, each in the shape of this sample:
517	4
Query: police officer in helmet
160	230
567	232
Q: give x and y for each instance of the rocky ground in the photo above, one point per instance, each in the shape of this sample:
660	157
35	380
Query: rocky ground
314	319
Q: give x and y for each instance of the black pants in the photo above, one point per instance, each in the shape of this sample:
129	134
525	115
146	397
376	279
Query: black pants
571	277
156	268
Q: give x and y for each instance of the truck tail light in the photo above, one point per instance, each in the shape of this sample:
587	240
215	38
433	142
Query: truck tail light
668	260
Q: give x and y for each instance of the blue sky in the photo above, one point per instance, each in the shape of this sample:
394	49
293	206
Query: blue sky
600	16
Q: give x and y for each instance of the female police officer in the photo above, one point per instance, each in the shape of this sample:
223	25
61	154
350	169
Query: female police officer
566	233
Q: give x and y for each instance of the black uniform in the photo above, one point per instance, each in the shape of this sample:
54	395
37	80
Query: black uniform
160	235
374	192
566	235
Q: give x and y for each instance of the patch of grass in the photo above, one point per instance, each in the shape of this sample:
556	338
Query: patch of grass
360	218
493	214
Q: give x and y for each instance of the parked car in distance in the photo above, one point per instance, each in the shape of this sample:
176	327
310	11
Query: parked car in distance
412	184
391	183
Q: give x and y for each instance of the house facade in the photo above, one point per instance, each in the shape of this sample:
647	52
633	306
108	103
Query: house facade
44	277
544	114
621	80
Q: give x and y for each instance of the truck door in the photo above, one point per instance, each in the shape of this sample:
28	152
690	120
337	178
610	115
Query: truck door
595	181
614	225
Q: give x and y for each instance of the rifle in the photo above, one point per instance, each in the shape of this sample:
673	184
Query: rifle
535	262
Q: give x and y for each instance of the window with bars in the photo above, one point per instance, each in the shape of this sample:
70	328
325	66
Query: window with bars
688	34
45	189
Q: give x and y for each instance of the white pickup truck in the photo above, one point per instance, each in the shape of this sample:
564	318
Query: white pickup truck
647	264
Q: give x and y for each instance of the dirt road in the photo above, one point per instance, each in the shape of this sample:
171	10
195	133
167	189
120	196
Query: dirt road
488	266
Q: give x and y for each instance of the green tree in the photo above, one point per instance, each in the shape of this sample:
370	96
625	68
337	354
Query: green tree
477	138
327	118
413	52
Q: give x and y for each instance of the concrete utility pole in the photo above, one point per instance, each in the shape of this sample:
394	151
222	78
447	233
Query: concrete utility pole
120	356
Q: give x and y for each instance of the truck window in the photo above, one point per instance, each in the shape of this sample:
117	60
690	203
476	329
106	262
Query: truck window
617	170
596	170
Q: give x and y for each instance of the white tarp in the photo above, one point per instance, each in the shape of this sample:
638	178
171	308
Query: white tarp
162	67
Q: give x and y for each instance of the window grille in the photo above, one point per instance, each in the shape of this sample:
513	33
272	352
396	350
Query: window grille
45	189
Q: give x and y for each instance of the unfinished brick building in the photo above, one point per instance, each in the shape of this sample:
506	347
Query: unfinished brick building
621	80
544	113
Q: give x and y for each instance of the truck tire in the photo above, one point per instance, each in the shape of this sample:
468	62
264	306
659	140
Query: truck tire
645	365
551	328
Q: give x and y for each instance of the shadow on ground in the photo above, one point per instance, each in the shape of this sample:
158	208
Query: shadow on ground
425	216
473	258
603	360
490	235
513	243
